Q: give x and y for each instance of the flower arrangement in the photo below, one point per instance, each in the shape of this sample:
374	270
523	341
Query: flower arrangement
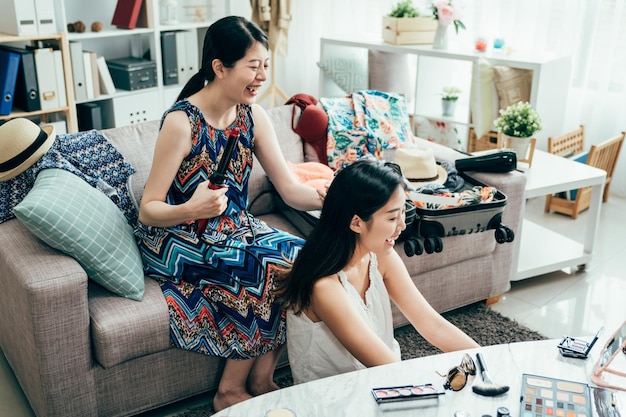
445	12
450	93
519	120
404	8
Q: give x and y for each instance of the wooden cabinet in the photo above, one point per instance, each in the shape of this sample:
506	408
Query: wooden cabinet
434	69
67	111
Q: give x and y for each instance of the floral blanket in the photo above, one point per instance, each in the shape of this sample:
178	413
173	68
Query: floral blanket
364	124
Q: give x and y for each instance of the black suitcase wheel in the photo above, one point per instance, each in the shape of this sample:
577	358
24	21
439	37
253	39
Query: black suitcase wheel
430	244
501	234
413	247
438	244
510	234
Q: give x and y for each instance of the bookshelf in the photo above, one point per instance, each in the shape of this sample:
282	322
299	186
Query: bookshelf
69	110
144	41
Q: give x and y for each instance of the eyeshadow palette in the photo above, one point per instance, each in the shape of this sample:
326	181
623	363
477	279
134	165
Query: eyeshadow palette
545	396
406	392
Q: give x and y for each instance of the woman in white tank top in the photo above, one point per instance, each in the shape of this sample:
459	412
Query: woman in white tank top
338	292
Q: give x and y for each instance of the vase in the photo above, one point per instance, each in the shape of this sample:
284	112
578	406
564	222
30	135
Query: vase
448	107
441	37
519	145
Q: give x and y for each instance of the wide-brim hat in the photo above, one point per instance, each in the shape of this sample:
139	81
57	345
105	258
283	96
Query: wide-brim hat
22	143
419	167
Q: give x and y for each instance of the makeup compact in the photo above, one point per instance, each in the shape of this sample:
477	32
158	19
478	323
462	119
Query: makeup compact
405	392
545	396
576	348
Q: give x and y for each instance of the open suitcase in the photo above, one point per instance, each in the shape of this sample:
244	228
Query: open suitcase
426	227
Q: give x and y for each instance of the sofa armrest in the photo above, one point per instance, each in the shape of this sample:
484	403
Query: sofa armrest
44	323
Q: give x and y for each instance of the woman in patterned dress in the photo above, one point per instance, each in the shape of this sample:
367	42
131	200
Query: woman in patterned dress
217	274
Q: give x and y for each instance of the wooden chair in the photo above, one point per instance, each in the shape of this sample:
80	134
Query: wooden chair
604	156
568	144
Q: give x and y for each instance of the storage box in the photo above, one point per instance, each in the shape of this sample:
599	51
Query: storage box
409	30
132	73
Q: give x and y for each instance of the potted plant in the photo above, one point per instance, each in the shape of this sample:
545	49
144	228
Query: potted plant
449	97
519	122
405	25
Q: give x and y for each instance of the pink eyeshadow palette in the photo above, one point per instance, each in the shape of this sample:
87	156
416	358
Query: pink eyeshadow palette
545	396
406	392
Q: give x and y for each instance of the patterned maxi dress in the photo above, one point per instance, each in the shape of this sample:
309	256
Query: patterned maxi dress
218	285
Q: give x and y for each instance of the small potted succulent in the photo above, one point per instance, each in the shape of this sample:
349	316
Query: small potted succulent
405	25
449	97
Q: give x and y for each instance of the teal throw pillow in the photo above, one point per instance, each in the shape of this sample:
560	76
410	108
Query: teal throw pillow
70	215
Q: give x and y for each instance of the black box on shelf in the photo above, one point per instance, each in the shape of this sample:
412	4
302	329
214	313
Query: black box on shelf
89	116
133	73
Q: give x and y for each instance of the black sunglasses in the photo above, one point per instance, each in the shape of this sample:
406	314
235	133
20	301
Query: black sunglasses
456	378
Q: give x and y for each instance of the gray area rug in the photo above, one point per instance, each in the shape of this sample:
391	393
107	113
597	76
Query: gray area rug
484	325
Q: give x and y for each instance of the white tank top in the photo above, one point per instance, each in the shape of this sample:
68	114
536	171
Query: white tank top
314	352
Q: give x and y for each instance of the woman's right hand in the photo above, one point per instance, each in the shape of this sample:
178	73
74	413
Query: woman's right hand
208	202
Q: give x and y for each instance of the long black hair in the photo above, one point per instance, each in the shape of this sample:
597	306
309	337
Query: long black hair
228	40
359	189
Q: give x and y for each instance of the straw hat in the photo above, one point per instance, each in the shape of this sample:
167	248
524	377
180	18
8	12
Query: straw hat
419	166
22	143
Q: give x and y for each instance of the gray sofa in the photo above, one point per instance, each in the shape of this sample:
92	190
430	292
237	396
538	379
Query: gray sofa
79	350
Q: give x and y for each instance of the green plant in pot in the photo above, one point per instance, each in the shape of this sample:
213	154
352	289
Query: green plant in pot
449	97
519	121
404	8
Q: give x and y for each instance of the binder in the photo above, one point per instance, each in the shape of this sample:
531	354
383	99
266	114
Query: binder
104	77
95	78
126	14
46	78
78	70
169	58
26	95
181	59
60	77
9	66
88	75
18	17
192	56
46	22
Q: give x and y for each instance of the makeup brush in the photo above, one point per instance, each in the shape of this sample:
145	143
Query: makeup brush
487	388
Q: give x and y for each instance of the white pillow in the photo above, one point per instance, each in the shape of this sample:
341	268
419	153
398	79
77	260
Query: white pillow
348	73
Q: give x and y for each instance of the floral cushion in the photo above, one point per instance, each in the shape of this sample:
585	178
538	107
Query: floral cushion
364	124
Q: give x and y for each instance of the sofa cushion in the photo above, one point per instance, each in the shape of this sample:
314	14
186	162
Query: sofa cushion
350	74
136	143
70	215
122	330
260	190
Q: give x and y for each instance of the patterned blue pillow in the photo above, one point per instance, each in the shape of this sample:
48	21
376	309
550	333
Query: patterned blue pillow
70	215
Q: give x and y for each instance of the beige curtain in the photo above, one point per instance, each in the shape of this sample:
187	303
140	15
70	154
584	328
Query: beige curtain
274	17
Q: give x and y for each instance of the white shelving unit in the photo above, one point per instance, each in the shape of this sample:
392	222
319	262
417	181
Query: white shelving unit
124	106
435	69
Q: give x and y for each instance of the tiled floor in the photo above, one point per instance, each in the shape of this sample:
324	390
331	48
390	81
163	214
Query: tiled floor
554	304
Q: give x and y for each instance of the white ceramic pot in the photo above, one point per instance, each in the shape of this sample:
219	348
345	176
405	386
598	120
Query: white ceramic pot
519	145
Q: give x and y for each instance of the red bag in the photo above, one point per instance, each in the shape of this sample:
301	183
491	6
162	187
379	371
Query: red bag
312	125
